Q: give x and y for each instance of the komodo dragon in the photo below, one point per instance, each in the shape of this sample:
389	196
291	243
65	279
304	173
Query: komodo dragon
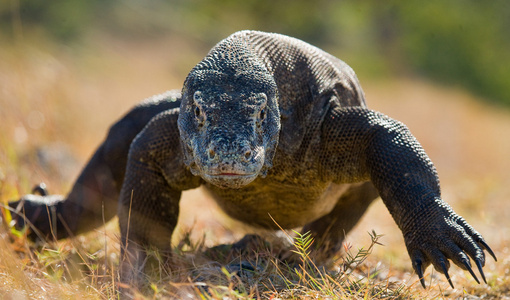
273	128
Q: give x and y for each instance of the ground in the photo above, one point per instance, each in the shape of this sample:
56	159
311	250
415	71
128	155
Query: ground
57	101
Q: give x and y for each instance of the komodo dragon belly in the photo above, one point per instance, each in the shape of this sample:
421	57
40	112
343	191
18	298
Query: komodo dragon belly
290	205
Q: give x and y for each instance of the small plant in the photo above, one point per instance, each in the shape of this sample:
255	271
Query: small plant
308	280
351	260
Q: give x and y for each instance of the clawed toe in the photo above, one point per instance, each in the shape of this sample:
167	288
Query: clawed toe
486	247
480	269
419	271
468	267
40	189
445	271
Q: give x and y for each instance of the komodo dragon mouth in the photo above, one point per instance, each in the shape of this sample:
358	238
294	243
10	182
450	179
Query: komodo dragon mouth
232	174
230	180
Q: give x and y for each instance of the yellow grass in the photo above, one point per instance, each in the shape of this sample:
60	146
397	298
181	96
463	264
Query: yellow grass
61	99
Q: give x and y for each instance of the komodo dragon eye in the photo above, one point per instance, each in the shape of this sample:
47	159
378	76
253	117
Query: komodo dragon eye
199	116
262	114
197	98
262	100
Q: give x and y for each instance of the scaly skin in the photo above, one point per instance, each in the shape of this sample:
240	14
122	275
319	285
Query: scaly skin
273	128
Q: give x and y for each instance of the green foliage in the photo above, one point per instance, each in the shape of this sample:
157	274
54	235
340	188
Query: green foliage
465	43
64	19
308	279
460	42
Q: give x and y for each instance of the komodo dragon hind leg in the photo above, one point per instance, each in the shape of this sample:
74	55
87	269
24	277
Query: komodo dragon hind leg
94	196
329	231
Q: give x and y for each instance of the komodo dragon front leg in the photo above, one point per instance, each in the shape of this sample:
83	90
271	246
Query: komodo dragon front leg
94	196
150	195
361	144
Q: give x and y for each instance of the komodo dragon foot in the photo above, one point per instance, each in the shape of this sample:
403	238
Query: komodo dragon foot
39	212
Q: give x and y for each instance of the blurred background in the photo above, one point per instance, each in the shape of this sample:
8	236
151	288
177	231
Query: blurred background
70	68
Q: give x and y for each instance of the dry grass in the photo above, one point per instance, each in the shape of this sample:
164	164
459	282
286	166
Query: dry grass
56	102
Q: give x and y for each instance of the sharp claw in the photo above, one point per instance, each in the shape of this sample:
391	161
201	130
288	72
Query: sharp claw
479	265
445	270
422	281
468	267
484	245
41	189
420	273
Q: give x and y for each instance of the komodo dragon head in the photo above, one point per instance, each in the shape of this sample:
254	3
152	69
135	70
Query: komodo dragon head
229	120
